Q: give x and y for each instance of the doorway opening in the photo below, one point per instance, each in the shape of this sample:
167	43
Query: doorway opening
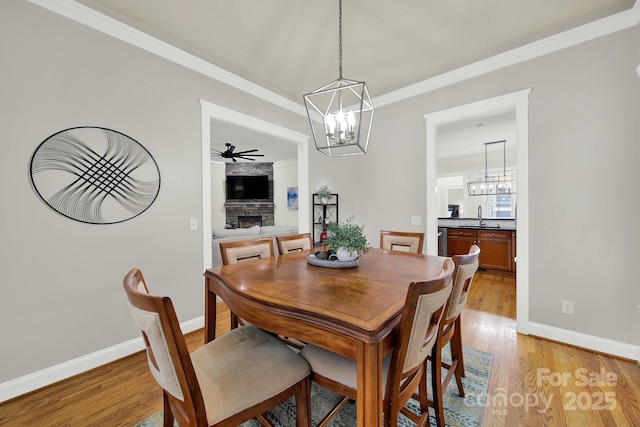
517	102
211	112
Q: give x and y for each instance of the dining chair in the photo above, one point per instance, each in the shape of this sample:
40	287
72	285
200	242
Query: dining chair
238	251
401	241
403	367
246	250
294	243
234	378
249	250
449	331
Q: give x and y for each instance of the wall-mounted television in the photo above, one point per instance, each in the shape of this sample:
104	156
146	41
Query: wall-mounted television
245	187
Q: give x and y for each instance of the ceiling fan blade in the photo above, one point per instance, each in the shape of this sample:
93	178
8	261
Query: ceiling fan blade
247	151
251	155
244	158
234	159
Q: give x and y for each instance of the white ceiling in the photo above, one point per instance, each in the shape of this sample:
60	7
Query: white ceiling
291	47
469	136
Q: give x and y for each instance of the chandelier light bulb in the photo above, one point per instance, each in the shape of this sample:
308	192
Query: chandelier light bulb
331	124
351	119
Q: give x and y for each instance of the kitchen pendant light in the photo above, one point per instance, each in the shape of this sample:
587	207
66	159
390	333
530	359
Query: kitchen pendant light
493	184
340	113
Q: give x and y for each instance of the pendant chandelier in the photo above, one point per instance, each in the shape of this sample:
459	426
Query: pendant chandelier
340	113
493	184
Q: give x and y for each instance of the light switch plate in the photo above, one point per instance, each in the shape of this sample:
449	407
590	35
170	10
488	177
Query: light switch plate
416	220
193	224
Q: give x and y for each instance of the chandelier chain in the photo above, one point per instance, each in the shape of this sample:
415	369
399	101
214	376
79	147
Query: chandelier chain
340	39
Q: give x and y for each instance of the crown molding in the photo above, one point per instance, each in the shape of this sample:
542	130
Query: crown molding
128	34
105	24
581	34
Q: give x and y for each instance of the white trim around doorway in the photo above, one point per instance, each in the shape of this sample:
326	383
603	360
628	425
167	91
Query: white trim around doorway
518	102
210	111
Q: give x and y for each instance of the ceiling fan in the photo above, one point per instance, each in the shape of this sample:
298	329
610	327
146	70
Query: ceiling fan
230	154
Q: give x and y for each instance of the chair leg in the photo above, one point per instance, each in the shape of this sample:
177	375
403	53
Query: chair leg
457	356
436	383
456	346
234	321
423	396
303	404
166	408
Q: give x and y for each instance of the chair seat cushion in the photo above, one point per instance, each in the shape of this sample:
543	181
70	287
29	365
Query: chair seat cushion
242	368
338	368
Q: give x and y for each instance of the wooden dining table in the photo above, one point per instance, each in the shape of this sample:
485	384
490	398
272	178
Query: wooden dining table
351	311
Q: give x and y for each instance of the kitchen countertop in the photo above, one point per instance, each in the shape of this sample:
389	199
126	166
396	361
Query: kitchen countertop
472	223
475	227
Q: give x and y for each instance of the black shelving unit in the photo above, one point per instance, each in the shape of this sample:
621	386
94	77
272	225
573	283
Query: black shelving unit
323	215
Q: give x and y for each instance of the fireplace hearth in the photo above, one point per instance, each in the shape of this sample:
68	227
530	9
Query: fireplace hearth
245	221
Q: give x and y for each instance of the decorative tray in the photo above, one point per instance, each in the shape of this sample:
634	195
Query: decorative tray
330	263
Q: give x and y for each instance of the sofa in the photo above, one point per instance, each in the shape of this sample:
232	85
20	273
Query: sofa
255	232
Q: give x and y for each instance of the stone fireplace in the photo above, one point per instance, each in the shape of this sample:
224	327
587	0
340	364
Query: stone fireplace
247	213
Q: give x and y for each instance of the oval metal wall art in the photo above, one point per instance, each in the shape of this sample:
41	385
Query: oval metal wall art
95	175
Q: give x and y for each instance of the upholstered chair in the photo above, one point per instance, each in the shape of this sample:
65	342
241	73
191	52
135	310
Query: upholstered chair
450	331
401	241
294	243
234	378
403	367
245	250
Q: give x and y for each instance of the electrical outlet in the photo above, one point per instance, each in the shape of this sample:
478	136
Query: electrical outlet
567	307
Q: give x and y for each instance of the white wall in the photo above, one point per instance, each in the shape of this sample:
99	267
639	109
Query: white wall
285	174
218	214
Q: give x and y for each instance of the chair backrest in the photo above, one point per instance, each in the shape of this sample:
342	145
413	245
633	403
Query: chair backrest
167	352
418	329
401	241
466	267
294	243
246	250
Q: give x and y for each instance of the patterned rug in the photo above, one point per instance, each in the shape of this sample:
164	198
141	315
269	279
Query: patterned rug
458	411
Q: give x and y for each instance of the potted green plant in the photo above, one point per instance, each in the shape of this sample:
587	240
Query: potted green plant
324	194
347	239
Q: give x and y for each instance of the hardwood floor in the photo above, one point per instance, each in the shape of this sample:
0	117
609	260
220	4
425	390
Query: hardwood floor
526	386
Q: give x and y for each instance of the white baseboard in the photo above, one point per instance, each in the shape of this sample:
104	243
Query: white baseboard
602	345
45	377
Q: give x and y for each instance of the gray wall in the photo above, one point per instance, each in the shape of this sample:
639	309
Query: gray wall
62	296
61	280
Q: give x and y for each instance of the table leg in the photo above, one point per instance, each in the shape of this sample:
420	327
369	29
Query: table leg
369	390
209	313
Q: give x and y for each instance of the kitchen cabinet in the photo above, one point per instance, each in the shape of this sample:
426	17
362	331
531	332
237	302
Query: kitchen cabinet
460	240
497	247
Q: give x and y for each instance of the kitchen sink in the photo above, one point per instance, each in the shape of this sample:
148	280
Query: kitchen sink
489	225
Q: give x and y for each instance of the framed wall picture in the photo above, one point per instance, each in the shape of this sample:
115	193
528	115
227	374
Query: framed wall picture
292	198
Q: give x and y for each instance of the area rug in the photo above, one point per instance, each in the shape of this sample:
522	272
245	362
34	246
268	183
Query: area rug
458	411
